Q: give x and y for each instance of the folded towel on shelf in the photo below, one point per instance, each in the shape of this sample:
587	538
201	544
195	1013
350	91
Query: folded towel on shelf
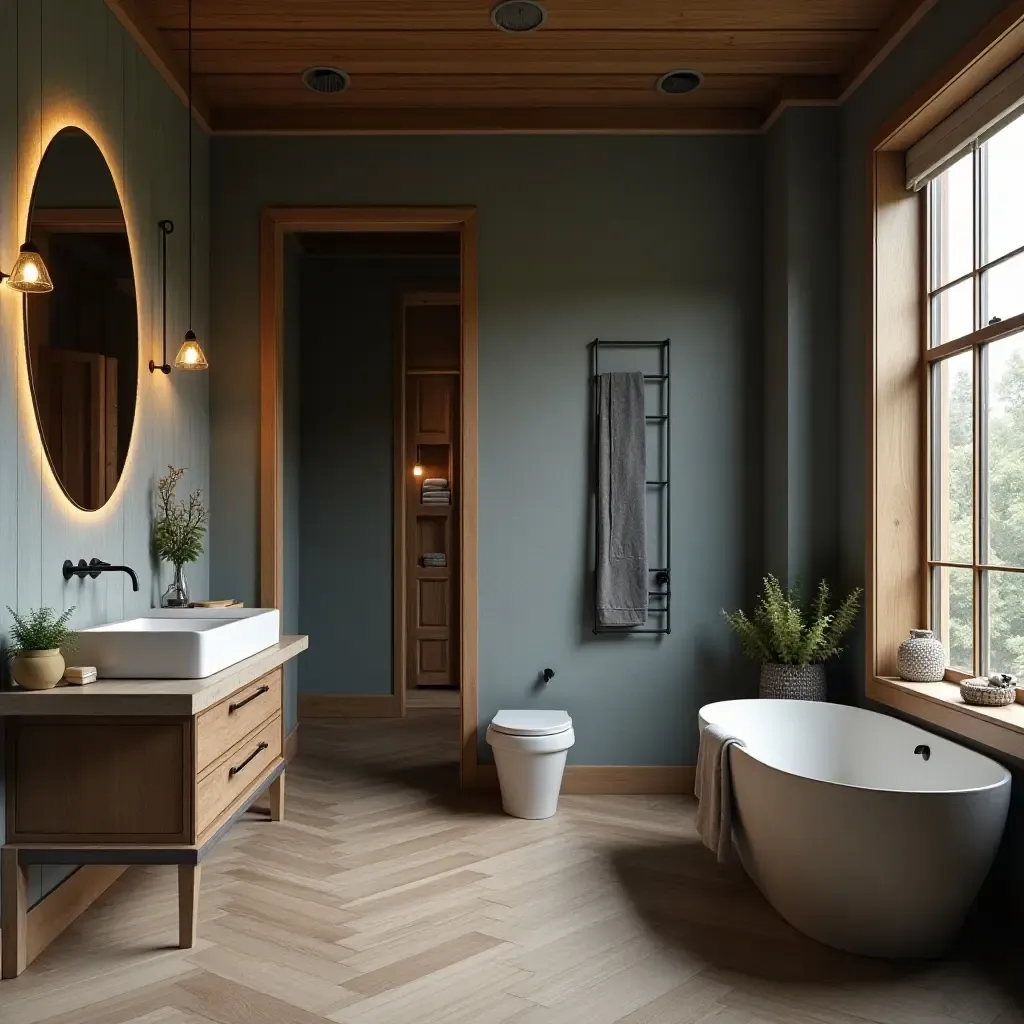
622	584
437	497
435	483
713	788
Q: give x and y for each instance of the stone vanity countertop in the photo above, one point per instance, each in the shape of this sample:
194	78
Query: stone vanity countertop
181	697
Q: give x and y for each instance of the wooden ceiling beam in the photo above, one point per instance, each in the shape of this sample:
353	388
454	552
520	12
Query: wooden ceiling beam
814	42
603	15
132	14
904	17
474	121
439	61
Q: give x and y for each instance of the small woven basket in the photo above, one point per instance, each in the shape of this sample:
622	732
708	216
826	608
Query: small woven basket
978	691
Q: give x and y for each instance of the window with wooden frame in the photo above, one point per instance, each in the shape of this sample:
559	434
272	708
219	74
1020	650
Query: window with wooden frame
974	380
945	545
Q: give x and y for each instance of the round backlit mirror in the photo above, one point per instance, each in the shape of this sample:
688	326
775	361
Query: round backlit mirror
83	337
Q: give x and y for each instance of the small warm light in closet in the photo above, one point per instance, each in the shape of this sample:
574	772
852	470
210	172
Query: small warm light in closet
29	273
190	355
417	471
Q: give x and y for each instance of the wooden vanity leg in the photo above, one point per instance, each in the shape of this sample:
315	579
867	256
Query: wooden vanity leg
275	793
13	913
188	904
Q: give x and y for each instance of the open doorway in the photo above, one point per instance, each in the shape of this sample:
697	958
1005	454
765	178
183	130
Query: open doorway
421	264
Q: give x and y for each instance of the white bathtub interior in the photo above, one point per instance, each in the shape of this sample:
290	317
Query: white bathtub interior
852	747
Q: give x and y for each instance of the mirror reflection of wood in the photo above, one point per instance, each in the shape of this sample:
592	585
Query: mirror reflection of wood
82	337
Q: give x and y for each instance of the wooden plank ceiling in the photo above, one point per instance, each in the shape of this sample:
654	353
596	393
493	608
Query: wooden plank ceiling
440	65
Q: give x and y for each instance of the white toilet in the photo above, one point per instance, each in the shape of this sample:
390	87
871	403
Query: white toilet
530	748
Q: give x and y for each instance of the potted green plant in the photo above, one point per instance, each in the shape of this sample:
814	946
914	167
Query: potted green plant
793	640
178	534
36	640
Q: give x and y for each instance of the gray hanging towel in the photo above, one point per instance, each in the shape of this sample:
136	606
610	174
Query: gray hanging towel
621	501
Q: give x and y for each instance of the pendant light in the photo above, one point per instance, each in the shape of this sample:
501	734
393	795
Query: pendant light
190	355
29	273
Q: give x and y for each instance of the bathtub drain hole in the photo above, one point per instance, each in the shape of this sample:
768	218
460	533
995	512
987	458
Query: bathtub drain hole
924	750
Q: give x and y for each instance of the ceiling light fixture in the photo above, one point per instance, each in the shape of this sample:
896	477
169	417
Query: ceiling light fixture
678	83
29	273
518	16
190	355
325	80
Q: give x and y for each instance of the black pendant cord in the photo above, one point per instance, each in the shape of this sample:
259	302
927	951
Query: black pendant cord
190	332
166	227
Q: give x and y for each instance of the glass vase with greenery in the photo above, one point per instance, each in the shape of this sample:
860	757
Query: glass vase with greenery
792	639
178	533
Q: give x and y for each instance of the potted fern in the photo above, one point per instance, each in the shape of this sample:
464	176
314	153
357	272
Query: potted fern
793	640
36	640
178	534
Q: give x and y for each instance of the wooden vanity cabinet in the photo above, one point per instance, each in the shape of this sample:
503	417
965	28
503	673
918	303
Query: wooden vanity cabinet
147	771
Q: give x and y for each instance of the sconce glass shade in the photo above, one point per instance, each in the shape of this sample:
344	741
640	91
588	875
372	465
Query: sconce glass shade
417	470
29	273
190	355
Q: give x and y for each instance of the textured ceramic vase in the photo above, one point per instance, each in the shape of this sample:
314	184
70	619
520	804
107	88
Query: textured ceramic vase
921	658
793	682
38	670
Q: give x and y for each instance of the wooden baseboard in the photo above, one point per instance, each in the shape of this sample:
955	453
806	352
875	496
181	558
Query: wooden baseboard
291	745
611	779
336	705
60	908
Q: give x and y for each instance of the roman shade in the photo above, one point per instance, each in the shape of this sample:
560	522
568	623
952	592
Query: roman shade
985	113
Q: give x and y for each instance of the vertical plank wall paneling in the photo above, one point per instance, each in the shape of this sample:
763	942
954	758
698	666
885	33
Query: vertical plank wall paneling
65	62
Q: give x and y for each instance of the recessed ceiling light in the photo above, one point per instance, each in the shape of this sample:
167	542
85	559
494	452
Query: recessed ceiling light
325	80
518	15
677	83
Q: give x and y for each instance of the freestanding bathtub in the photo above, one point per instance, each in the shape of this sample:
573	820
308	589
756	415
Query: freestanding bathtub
862	831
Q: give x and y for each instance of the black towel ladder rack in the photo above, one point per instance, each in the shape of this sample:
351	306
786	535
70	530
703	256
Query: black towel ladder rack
660	594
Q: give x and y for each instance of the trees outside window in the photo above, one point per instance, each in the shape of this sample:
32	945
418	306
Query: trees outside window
974	356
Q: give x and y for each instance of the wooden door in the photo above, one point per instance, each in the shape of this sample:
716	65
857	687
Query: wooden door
76	394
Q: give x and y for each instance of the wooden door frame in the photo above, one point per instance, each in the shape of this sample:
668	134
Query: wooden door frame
276	222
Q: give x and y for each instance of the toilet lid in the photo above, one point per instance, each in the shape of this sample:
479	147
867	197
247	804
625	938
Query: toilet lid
531	723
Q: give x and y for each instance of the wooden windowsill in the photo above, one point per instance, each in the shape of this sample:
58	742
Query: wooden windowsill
940	704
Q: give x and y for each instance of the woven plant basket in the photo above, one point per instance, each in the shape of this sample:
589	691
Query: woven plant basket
978	691
793	682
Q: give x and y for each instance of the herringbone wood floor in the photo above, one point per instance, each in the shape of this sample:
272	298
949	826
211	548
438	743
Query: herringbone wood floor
384	899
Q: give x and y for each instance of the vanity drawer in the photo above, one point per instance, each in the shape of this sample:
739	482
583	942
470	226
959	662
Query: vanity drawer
236	772
219	728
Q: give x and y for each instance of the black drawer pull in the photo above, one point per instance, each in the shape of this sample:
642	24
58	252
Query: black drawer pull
238	767
232	708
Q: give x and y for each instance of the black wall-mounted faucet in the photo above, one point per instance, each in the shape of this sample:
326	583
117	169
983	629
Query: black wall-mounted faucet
94	568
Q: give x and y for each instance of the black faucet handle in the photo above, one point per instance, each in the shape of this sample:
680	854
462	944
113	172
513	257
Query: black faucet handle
93	563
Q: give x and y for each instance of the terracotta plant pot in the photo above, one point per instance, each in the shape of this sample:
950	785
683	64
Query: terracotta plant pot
38	670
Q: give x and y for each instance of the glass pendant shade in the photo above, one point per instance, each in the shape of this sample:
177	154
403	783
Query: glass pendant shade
29	273
190	355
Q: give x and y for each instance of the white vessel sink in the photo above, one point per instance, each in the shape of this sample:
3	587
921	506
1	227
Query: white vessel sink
177	643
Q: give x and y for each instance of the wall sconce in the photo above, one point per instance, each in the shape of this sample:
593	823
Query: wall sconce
417	470
29	273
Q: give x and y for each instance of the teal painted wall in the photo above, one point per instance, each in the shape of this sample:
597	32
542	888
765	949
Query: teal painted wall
346	481
579	237
93	75
802	328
